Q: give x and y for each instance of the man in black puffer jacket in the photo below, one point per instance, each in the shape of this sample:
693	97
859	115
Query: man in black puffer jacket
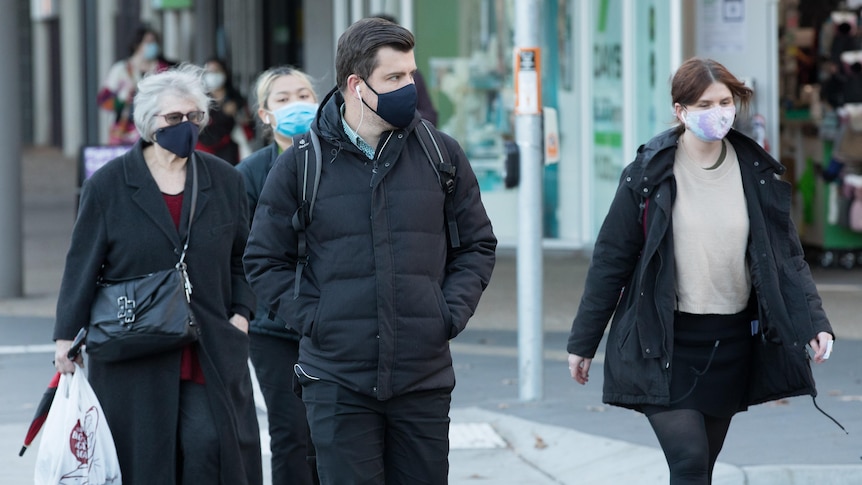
383	290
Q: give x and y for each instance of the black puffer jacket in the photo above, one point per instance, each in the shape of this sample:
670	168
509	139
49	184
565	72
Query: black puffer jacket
635	257
254	170
383	292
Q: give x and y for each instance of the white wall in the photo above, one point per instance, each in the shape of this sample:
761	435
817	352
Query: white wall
750	51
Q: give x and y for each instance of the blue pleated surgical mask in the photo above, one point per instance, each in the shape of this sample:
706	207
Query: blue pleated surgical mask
294	118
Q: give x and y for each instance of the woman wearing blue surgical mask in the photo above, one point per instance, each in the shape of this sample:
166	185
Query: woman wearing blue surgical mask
118	90
286	106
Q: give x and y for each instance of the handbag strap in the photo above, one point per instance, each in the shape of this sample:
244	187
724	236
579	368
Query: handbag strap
192	208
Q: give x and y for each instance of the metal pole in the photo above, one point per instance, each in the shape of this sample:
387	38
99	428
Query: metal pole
528	135
629	81
585	98
11	282
676	34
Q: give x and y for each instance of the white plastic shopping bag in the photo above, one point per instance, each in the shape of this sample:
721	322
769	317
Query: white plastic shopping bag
77	447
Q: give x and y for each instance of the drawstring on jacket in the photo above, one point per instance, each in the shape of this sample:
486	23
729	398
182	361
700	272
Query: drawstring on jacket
698	373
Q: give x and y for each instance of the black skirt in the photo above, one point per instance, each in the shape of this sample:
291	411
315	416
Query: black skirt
710	365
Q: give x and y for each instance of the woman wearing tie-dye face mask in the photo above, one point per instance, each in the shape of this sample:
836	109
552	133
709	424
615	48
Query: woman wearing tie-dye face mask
286	106
119	87
717	301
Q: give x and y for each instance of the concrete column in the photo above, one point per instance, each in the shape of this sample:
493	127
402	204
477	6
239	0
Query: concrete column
340	21
171	38
204	30
72	69
357	10
106	12
376	7
186	22
406	17
41	84
11	273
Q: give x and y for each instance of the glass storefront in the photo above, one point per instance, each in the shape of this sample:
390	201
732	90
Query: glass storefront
470	79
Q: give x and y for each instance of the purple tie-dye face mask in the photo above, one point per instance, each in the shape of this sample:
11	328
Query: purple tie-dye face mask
710	124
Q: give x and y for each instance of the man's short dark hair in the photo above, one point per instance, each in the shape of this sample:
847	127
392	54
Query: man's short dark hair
358	46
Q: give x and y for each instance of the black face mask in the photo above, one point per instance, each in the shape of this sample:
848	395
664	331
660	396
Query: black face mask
395	107
179	139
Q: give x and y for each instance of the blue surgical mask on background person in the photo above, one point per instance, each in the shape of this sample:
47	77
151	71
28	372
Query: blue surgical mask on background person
179	139
396	107
294	118
151	51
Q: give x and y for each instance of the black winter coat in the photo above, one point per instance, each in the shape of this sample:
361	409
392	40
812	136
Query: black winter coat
383	293
254	170
124	230
635	257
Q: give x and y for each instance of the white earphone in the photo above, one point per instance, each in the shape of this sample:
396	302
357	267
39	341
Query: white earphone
357	92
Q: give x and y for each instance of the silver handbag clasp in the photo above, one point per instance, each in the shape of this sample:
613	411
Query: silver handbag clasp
126	312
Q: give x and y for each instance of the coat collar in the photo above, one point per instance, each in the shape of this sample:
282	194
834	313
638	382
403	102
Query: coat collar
654	161
327	124
148	196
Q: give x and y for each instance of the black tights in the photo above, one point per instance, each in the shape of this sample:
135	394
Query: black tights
691	442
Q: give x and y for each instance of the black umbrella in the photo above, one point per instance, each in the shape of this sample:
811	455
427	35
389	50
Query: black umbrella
48	397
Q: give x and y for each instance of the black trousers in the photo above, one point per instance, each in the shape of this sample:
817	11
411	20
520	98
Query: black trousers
198	440
292	452
403	440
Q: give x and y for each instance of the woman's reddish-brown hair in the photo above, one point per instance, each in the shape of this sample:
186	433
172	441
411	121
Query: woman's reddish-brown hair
696	74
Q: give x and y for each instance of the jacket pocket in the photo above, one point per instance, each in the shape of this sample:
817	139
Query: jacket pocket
625	331
450	331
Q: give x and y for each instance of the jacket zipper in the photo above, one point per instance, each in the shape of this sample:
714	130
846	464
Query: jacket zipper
377	158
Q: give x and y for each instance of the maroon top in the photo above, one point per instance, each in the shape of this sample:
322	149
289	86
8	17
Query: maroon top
190	366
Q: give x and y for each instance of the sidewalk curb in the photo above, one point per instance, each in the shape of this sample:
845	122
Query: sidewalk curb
566	456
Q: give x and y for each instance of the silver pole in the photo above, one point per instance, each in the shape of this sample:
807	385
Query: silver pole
11	282
528	135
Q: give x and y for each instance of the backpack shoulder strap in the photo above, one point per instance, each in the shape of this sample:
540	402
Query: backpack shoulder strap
307	158
445	171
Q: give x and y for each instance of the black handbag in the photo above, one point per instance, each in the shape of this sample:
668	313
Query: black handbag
144	315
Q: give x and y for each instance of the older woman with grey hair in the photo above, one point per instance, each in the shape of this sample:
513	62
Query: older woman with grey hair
184	416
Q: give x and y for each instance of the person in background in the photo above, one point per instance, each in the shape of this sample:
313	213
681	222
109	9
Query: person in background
227	113
286	106
700	265
423	100
117	92
383	291
186	416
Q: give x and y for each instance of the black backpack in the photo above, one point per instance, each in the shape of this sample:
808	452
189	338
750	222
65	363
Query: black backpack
308	159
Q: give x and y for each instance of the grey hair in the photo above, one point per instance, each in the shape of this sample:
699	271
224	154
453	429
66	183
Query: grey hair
184	81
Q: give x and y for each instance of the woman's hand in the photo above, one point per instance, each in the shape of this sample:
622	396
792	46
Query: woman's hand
239	322
819	344
579	367
61	359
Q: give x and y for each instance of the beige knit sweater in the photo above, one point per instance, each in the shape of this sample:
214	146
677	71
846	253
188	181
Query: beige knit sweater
710	235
